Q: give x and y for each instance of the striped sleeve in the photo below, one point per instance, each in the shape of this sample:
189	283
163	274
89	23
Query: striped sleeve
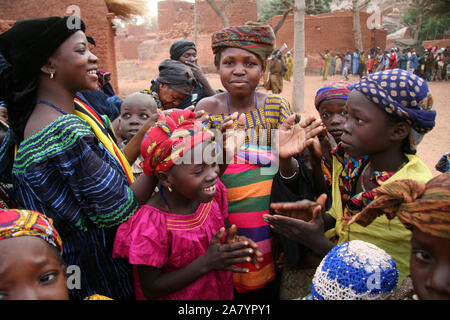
64	169
277	109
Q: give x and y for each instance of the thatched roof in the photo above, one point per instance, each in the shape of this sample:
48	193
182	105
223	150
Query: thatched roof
125	9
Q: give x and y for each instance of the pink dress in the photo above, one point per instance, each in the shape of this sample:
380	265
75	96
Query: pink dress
171	241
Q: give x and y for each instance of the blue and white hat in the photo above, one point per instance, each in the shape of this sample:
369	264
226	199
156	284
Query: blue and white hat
355	270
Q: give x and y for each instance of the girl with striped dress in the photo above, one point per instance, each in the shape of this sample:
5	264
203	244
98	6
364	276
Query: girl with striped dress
240	59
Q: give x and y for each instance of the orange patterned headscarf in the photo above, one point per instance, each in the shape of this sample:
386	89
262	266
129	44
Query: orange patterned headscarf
18	223
424	206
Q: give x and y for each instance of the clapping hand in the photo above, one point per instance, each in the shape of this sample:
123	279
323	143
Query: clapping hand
233	135
226	256
296	137
232	237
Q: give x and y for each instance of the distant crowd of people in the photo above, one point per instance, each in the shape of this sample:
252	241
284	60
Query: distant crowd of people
432	65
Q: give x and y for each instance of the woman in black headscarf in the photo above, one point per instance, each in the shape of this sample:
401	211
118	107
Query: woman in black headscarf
174	84
67	165
186	52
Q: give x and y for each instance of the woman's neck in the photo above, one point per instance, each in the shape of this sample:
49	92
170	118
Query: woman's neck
242	104
389	160
56	95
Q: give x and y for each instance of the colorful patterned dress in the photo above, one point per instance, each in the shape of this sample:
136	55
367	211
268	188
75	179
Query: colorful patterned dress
389	235
249	182
65	172
171	241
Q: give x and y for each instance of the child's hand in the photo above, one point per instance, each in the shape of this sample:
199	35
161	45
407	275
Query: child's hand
225	256
232	237
302	210
296	137
233	136
310	233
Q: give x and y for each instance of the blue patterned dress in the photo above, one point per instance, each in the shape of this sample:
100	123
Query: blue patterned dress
65	172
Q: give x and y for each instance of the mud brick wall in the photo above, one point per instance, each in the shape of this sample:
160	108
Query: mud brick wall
94	13
443	43
332	31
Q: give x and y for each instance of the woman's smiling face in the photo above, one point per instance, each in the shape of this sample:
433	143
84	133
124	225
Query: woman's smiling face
74	64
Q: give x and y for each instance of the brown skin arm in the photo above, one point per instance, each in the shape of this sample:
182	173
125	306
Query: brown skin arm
156	283
143	187
320	185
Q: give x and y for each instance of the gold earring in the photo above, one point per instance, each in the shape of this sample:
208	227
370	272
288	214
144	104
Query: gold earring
52	75
170	188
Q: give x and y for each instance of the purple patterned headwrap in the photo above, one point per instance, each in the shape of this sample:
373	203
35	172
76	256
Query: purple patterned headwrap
335	90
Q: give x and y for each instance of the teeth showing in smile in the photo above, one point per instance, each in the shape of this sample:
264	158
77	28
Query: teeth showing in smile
210	189
92	72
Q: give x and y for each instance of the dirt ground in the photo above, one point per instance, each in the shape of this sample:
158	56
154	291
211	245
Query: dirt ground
433	145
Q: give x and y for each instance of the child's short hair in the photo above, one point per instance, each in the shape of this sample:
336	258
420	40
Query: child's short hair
355	270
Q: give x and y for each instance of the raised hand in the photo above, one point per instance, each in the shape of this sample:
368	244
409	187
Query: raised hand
233	135
296	137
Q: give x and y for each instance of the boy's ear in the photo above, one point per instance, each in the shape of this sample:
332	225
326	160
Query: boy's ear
400	131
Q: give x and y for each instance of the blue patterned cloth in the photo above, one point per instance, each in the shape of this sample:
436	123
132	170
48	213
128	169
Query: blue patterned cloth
355	270
443	164
403	95
65	172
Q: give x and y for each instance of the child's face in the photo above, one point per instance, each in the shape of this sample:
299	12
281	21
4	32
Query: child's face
333	114
366	129
240	71
430	266
133	115
30	270
196	181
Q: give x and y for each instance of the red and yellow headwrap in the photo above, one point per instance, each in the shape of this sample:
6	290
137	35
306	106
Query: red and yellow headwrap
424	206
18	223
256	37
169	139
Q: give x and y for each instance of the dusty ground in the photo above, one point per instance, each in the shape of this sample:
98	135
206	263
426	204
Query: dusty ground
433	146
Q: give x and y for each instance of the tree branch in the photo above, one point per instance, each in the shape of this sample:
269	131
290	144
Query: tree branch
220	12
283	18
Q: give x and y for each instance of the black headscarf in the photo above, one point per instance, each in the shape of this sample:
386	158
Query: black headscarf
179	47
177	76
26	47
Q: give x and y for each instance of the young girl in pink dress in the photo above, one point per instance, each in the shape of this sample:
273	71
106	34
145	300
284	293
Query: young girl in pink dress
175	241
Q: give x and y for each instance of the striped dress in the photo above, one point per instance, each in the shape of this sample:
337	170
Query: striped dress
65	172
249	183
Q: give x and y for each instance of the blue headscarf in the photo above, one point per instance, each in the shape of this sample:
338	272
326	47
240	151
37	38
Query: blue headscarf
403	95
